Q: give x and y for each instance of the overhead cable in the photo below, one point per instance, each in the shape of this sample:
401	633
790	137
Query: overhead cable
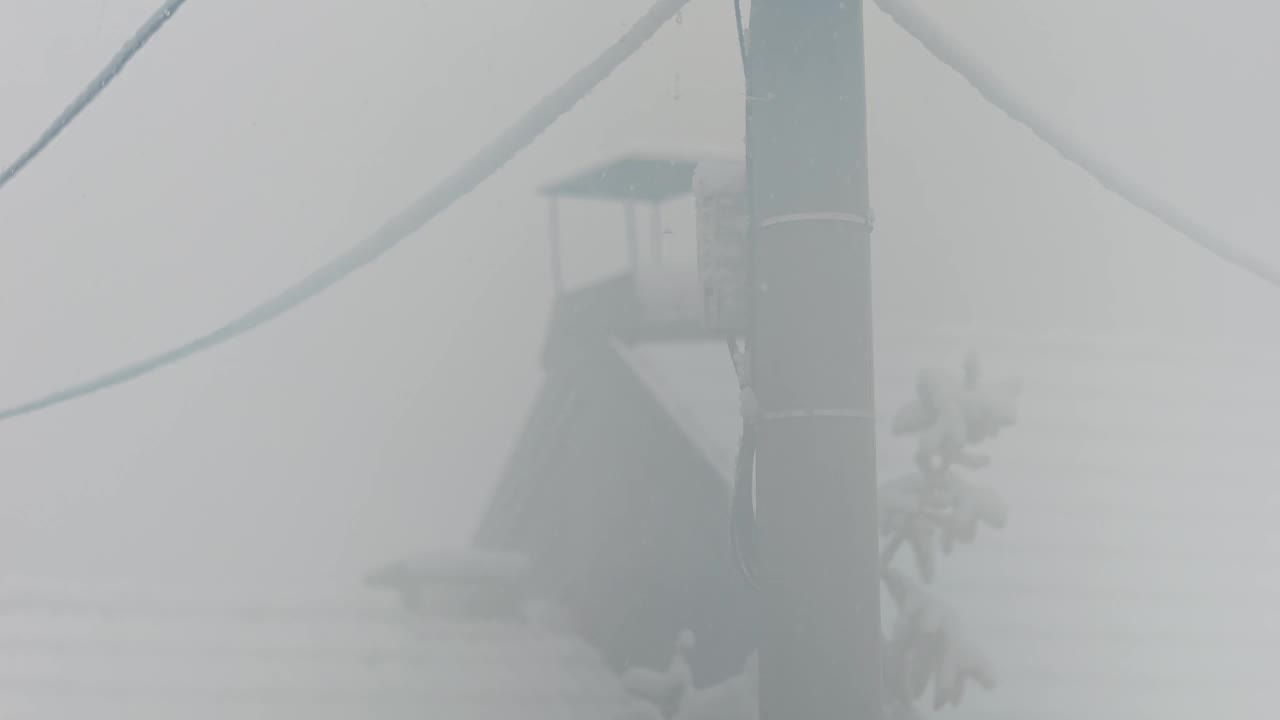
90	93
908	15
485	163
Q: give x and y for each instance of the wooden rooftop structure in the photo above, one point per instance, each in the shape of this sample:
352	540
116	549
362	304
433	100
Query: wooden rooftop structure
650	179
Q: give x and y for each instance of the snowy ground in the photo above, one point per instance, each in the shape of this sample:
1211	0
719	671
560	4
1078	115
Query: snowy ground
135	653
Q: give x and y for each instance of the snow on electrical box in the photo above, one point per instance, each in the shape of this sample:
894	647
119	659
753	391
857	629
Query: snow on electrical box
719	189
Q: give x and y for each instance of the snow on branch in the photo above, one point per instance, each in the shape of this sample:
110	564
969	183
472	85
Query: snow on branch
951	414
931	510
929	647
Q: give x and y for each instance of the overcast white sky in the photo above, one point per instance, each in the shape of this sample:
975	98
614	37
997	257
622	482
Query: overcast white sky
252	140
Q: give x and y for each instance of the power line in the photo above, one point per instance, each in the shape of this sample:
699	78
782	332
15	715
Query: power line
742	36
489	160
90	93
934	39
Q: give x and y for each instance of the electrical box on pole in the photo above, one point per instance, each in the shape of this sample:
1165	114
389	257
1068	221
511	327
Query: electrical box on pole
720	197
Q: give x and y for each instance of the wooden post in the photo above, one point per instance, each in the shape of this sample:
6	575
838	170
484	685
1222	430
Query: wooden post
553	235
633	243
655	233
812	363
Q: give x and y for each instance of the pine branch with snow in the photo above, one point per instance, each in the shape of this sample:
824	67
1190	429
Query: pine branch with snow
929	511
928	647
950	415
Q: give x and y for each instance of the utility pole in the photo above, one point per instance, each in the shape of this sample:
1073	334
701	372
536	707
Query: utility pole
811	363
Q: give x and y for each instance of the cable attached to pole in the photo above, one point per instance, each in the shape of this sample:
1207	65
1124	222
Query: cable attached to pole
916	23
743	530
742	39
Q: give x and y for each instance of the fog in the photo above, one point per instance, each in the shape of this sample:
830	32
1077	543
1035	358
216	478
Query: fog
250	141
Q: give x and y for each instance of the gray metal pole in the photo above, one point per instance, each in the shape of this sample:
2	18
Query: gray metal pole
812	363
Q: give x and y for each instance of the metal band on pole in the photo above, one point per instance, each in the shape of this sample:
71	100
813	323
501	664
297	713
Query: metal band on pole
768	416
863	220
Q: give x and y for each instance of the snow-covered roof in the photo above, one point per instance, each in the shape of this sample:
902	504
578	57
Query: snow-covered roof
1138	575
694	382
95	653
638	177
